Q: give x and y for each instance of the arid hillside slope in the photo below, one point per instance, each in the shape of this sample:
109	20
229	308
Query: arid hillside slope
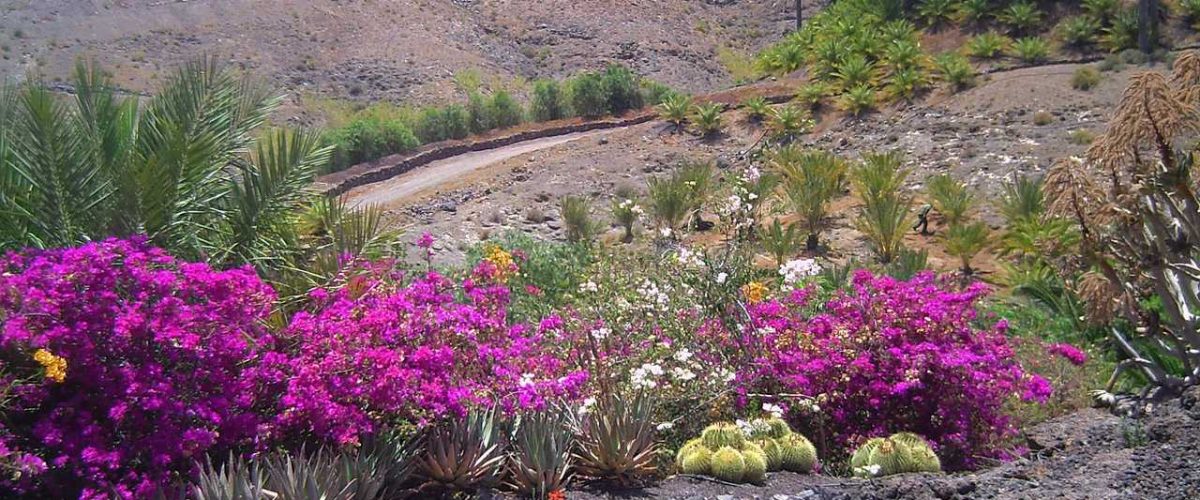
400	50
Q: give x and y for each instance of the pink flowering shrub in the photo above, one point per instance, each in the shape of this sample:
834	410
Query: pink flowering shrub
381	350
139	365
891	356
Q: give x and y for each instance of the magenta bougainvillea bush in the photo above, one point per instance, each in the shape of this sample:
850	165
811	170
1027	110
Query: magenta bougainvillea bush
412	351
889	356
134	364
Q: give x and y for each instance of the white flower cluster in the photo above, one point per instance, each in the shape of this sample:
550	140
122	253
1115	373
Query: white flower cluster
773	410
795	271
601	333
589	286
587	405
689	258
645	376
808	405
654	298
629	205
756	426
526	380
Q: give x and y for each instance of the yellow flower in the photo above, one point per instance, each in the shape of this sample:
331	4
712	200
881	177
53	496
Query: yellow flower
56	366
502	260
754	291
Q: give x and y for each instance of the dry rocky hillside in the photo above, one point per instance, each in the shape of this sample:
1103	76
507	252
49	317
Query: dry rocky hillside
400	50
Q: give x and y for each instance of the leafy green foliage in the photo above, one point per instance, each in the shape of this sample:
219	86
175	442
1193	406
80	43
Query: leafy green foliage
463	455
588	95
936	12
675	108
621	89
479	117
1021	16
907	264
504	110
780	241
974	11
707	118
858	100
884	216
964	240
1102	10
788	122
950	198
1085	78
368	138
541	452
907	82
440	124
669	201
756	108
547	101
988	45
812	93
811	179
616	440
1123	32
577	219
1079	31
955	70
1031	49
1190	9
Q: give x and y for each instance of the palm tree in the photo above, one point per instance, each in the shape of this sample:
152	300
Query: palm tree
192	168
811	179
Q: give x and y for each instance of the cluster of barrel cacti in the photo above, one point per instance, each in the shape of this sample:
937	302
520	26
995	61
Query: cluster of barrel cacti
728	453
896	454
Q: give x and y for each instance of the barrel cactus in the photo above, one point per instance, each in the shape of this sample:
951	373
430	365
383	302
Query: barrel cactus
757	454
728	465
897	454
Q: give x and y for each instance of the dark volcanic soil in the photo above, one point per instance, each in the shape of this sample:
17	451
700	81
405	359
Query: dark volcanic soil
1086	455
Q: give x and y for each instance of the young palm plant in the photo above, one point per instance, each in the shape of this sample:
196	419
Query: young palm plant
674	109
707	118
885	213
950	198
965	240
756	109
669	203
780	241
811	179
626	211
789	122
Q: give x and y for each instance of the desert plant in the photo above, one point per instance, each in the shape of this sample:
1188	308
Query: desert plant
626	212
854	71
1022	198
907	264
1021	16
588	95
1102	10
858	100
504	110
756	108
707	118
974	11
1085	78
1042	118
950	198
884	216
907	82
897	454
365	139
327	474
955	70
988	45
904	54
812	93
779	241
621	89
698	181
547	101
1079	31
964	240
1135	205
464	454
1122	34
788	122
235	479
726	453
577	219
675	108
1081	137
541	452
616	440
1031	49
936	12
1190	9
669	203
811	179
479	117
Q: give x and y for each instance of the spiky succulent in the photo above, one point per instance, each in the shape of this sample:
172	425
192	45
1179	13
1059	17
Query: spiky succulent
723	434
616	439
463	455
798	453
779	428
897	454
541	453
756	466
728	465
698	461
773	452
688	448
236	479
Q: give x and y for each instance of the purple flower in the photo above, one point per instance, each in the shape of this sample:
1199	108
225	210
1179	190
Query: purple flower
425	241
1071	353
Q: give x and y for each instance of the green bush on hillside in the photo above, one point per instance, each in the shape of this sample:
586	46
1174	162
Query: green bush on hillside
548	103
588	96
366	139
621	89
505	111
439	124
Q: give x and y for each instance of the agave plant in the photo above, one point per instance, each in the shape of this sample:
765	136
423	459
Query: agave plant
707	118
674	109
235	479
318	477
463	455
541	453
1133	199
616	440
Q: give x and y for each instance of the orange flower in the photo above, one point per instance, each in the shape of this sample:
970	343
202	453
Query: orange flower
755	292
56	366
556	495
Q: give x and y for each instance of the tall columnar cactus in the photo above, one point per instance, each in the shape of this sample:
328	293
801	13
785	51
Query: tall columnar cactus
725	451
897	454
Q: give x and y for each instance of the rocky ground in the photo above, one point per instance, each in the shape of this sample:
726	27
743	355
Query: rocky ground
982	136
1091	454
405	51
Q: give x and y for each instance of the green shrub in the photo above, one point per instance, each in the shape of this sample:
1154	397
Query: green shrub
1102	10
654	93
547	101
811	180
554	267
974	11
1079	31
1085	78
780	241
965	241
675	108
504	110
904	54
858	100
1043	118
588	96
367	139
1021	16
707	117
439	124
905	83
756	108
955	70
950	198
479	117
621	89
577	219
1031	49
1111	62
854	71
878	180
1190	9
789	121
936	12
1123	33
1081	137
812	93
988	45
